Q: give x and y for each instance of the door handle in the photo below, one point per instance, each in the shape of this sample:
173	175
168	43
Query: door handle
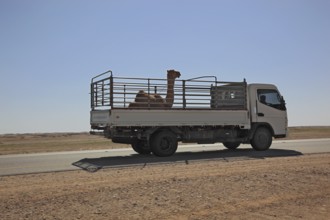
261	114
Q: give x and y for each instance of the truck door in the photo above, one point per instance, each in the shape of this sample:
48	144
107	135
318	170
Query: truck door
270	108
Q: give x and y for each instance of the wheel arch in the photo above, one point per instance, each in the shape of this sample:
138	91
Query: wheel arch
255	126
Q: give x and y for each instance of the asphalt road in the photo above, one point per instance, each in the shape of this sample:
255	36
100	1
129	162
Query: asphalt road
101	159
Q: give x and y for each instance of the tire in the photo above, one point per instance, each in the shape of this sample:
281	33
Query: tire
262	139
231	145
141	147
164	144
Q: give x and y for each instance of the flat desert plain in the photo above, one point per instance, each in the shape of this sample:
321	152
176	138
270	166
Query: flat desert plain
295	187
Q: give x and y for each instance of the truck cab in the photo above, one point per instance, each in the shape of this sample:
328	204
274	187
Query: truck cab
267	107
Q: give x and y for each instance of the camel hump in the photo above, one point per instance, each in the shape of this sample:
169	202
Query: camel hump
141	92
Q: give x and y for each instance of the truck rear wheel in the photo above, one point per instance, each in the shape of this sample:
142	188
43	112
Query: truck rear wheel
231	145
262	139
164	143
141	147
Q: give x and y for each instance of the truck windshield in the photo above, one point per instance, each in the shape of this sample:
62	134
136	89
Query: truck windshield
271	98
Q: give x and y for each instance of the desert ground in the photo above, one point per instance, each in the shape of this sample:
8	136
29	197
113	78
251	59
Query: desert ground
293	187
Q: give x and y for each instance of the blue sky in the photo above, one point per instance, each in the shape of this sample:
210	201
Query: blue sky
49	51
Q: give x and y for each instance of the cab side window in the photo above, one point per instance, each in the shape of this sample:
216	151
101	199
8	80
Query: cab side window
271	98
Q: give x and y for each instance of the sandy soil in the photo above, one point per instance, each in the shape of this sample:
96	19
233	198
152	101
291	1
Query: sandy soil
295	187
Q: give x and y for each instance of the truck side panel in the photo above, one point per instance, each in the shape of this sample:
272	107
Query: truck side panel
133	117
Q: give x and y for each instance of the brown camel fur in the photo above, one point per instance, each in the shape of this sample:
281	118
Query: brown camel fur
143	100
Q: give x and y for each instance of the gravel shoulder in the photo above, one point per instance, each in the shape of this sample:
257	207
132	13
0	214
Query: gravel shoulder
295	187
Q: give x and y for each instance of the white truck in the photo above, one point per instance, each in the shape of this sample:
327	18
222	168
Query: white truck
153	115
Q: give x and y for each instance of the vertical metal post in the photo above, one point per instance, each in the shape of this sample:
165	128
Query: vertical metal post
102	87
148	93
245	94
124	96
184	93
92	96
96	89
111	91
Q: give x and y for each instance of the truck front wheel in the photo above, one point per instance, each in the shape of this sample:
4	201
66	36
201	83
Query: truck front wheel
164	143
262	139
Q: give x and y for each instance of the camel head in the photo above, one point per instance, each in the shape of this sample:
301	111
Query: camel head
172	74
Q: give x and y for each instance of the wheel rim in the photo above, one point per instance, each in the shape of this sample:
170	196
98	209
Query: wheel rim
262	139
165	144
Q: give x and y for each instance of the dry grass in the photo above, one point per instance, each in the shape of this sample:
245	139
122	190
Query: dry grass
51	142
309	132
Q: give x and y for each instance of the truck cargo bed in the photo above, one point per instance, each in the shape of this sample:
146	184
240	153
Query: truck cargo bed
136	117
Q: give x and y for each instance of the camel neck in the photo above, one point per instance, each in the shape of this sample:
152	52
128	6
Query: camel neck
170	92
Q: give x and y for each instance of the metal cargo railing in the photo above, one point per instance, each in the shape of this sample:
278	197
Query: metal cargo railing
112	92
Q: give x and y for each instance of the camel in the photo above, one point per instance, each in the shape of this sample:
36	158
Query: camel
143	100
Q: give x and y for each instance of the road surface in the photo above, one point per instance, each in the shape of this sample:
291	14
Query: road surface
98	159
